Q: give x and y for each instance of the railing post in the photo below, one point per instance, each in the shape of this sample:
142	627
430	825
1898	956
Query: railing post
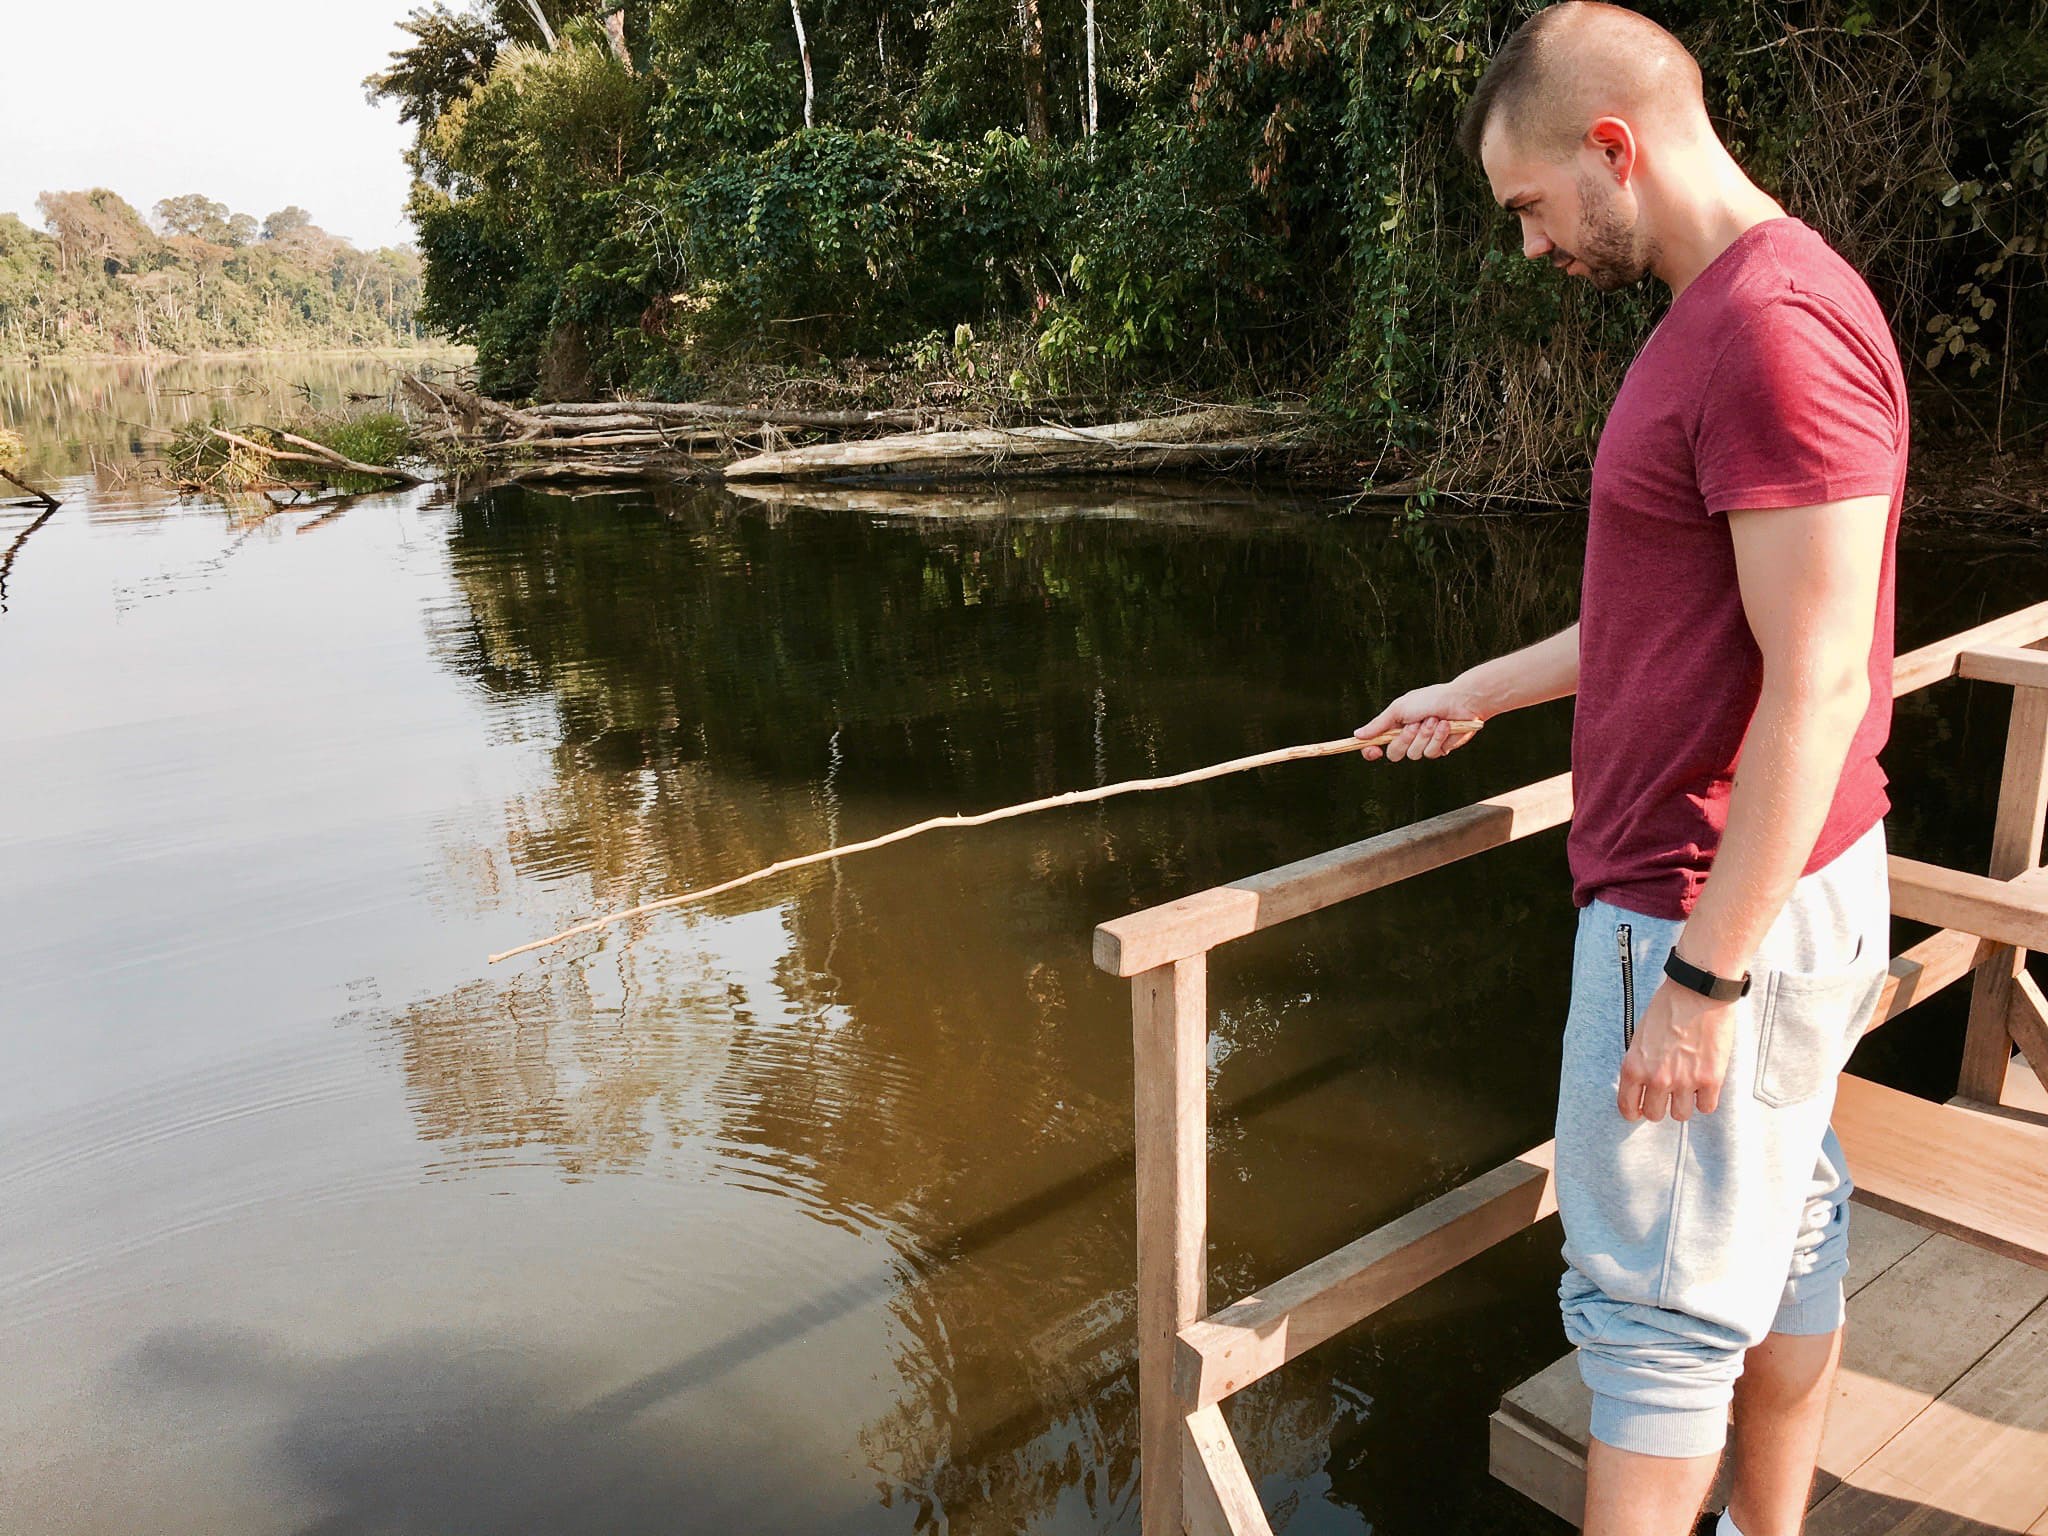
1170	1048
2015	849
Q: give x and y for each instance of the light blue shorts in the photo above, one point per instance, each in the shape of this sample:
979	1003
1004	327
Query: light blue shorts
1688	1241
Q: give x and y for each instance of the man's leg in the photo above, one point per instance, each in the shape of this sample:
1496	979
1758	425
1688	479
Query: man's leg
1678	1236
1781	1403
1630	1494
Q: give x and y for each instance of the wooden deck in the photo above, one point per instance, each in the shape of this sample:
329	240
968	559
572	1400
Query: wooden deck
1941	1424
1940	1418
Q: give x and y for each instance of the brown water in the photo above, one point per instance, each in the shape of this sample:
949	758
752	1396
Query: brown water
811	1211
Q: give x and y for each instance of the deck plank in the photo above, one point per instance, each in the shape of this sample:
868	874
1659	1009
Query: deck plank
1919	1330
1974	1460
1983	1178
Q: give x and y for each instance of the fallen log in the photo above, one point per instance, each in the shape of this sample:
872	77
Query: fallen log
317	453
702	411
474	407
615	440
1192	437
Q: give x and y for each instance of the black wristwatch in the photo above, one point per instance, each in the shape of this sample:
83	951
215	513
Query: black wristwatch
1722	989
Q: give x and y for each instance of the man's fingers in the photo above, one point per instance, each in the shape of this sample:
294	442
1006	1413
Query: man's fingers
1628	1094
1710	1098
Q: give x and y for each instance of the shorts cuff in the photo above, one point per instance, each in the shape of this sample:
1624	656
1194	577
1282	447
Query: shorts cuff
1652	1431
1810	1308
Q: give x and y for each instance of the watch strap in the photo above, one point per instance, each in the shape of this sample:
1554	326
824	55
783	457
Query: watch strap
1722	989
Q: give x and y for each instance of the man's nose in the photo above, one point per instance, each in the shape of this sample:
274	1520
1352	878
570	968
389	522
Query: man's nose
1535	244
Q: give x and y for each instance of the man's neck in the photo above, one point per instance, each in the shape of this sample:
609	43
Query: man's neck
1713	205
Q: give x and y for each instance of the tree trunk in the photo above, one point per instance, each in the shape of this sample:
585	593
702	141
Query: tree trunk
1089	16
1037	125
540	19
615	29
803	47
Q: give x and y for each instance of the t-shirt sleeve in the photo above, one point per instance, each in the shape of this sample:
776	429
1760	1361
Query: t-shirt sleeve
1798	410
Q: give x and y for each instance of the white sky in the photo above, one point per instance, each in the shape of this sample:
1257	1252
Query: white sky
256	103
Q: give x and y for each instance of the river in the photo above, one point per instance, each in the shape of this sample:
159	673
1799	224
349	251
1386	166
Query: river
810	1211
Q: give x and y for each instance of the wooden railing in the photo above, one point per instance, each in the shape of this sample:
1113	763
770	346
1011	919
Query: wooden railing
1191	1477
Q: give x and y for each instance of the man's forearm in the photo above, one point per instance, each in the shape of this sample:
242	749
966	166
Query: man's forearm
1536	674
1784	786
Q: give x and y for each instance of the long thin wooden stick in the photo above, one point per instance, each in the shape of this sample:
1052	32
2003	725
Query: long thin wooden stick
1004	813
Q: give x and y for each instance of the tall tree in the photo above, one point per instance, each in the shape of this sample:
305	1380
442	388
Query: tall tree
1037	121
286	221
803	47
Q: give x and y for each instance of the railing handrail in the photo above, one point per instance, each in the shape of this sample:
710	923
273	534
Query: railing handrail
1192	925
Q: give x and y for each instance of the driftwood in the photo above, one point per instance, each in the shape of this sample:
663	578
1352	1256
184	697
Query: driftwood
1072	797
1192	437
50	503
705	411
657	434
317	453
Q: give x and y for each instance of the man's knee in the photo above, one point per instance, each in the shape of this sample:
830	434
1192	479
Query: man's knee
1661	1379
1785	1370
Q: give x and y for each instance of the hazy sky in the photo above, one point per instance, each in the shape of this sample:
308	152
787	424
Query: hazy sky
256	103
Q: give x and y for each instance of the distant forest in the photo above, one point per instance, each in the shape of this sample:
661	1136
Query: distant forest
196	277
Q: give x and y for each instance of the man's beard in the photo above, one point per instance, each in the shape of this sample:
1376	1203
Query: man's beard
1611	253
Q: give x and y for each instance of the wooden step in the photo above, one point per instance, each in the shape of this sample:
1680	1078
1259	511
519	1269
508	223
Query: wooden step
1924	1310
1979	1177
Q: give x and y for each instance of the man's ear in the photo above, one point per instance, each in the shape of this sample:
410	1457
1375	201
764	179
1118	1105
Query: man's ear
1614	142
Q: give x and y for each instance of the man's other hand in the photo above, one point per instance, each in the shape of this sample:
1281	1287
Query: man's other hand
1678	1061
1427	720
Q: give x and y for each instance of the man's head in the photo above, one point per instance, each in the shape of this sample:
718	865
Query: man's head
1579	104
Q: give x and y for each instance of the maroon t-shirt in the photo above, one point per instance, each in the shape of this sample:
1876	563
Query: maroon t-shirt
1771	382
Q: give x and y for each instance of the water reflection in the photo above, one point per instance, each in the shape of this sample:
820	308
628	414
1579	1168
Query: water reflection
97	418
930	1052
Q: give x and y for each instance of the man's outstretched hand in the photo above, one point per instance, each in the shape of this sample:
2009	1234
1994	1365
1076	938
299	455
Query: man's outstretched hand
1431	721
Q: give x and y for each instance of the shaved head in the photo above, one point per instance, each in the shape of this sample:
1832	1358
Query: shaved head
1575	62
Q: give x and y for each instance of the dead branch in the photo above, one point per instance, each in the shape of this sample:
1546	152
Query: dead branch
49	502
319	454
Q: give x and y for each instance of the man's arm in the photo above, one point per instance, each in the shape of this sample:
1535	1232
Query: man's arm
1537	673
1809	579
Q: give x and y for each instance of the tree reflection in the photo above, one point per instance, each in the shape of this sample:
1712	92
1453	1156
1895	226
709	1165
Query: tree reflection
916	1040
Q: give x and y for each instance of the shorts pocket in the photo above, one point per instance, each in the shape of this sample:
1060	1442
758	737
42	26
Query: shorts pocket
1811	1022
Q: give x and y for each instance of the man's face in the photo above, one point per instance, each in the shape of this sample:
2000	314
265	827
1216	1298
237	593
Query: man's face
1573	213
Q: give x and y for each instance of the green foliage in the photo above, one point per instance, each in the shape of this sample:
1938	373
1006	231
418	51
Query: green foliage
197	456
1274	201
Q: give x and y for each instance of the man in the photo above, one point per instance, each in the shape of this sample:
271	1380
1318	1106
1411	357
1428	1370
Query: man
1732	663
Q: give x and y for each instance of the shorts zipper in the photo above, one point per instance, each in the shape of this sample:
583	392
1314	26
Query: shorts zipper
1624	940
